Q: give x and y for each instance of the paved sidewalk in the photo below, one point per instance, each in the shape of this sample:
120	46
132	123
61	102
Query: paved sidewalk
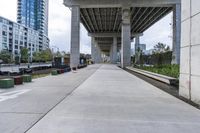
114	101
24	105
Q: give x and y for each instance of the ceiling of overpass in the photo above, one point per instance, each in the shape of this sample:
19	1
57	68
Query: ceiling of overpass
104	42
98	20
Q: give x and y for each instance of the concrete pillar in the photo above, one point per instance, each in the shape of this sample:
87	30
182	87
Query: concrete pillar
126	38
137	45
114	50
75	37
93	49
190	51
98	53
111	53
176	34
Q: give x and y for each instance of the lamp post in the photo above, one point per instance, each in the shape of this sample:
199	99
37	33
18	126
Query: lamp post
53	63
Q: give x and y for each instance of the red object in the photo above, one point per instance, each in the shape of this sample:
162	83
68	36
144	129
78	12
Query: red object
18	80
62	71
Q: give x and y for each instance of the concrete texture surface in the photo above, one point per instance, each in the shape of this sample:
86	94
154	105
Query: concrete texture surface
114	101
190	46
22	106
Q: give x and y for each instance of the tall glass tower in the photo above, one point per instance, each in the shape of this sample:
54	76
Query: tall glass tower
34	14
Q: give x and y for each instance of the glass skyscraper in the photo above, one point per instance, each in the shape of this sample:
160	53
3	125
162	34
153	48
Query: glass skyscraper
34	14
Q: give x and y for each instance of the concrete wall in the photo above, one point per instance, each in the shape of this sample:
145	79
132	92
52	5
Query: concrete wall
119	3
190	50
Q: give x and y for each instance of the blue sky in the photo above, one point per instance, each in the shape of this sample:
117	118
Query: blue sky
60	21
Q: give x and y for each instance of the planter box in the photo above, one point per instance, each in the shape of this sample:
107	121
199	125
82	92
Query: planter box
6	83
62	71
67	69
54	72
59	71
18	80
158	77
27	78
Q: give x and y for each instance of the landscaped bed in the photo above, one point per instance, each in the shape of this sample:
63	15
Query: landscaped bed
168	70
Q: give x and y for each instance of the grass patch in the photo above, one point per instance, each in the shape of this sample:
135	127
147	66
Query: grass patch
168	70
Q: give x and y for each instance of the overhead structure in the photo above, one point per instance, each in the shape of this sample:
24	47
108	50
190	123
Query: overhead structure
114	23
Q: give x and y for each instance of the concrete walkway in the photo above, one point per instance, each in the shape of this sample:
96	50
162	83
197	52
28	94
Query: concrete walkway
114	101
24	105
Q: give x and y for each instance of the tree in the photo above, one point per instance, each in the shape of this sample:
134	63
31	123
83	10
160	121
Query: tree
46	55
161	48
24	55
43	56
5	56
37	57
58	54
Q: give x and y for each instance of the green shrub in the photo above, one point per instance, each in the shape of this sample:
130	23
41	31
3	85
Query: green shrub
168	70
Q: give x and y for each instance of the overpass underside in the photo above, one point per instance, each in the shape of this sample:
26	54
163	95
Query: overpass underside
113	24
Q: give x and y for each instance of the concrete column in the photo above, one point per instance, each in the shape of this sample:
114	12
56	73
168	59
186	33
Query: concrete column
126	38
137	45
176	34
93	49
111	53
98	53
190	51
137	42
114	50
75	37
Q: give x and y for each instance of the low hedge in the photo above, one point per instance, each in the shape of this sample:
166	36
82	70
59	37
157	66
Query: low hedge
168	70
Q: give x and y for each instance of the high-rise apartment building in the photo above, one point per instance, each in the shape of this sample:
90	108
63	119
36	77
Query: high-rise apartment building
34	14
14	37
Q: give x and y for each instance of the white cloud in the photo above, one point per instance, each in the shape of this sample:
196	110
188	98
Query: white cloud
160	32
60	24
8	9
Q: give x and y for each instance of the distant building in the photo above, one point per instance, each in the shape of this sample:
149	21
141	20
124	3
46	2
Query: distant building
142	47
148	52
14	36
34	14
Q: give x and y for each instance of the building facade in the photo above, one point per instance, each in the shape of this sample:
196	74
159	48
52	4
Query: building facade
14	37
34	14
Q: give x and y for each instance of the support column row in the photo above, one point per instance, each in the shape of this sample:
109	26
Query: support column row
114	50
176	34
96	51
126	38
75	37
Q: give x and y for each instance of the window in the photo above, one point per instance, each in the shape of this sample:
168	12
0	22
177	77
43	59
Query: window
5	46
16	41
4	39
4	33
21	42
4	27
